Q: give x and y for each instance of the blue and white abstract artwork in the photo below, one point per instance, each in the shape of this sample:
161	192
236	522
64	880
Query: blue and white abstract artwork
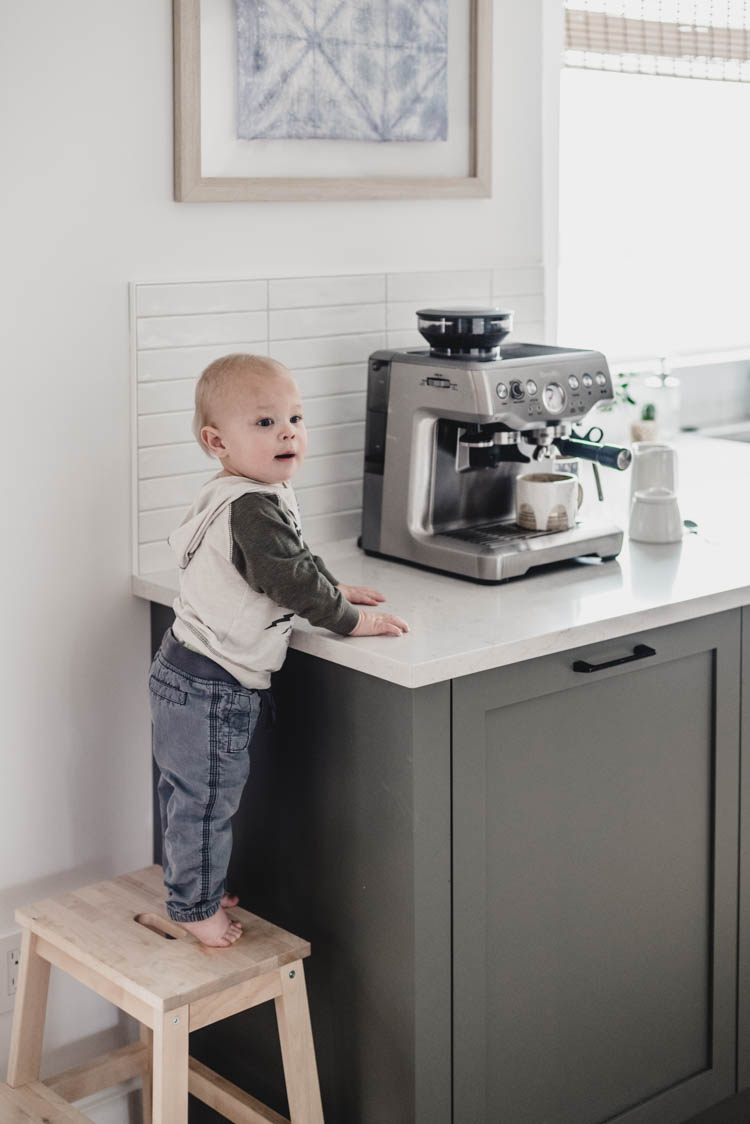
373	70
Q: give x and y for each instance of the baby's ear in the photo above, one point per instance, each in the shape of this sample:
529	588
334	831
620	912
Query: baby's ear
211	438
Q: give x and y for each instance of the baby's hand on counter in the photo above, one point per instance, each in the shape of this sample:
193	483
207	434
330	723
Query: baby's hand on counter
360	595
378	624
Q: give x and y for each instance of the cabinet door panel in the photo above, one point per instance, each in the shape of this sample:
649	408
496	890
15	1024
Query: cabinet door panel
743	1018
593	885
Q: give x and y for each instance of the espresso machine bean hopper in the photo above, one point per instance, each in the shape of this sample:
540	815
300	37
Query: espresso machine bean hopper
450	428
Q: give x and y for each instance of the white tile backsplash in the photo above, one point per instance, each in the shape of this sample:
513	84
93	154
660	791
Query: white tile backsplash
332	350
334	409
327	439
324	329
201	297
173	491
174	362
519	282
329	470
165	397
165	429
196	329
337	320
344	379
530	332
305	292
170	460
330	498
406	338
462	285
527	308
155	526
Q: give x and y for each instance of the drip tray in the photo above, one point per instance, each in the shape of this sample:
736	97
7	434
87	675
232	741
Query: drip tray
485	534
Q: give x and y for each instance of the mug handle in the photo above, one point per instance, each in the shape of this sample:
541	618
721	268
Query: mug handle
580	495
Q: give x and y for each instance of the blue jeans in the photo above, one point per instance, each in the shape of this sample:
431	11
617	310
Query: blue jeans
203	723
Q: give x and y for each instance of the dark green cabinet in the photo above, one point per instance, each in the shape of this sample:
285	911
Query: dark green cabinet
595	843
743	1019
520	887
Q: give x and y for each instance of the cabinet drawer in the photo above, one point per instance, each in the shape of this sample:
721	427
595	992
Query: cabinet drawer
558	672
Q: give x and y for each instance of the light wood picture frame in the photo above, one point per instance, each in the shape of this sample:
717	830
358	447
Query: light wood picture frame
192	186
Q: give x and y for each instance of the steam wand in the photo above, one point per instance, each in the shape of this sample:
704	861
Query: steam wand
613	456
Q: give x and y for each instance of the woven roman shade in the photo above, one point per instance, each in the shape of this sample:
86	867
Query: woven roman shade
675	38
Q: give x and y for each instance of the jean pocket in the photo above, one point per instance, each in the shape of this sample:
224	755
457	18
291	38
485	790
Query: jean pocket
166	691
238	712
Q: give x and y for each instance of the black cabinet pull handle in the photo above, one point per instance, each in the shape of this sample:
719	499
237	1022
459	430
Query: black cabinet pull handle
640	652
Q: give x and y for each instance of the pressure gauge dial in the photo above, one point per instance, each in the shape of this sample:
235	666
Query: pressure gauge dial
554	398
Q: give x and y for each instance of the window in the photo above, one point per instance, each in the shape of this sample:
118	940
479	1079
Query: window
655	177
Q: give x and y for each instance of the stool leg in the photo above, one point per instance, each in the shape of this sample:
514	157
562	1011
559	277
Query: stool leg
147	1092
28	1017
170	1072
297	1049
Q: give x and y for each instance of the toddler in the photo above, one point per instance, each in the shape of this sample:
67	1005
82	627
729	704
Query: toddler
245	571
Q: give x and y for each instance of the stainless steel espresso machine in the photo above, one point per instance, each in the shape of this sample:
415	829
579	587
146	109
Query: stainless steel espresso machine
450	428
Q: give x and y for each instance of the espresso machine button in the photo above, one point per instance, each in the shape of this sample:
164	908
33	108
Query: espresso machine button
501	391
516	391
530	388
573	382
587	381
601	378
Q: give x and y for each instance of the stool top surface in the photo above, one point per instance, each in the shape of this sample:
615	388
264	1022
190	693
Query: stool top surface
97	926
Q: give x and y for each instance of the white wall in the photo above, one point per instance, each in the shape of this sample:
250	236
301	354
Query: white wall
85	206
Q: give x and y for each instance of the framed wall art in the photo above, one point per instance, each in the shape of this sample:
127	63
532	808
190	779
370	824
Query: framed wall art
331	99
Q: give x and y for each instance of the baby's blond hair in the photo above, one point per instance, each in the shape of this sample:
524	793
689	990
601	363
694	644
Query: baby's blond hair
219	379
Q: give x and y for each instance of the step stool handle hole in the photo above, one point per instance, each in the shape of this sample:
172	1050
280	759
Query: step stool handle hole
162	926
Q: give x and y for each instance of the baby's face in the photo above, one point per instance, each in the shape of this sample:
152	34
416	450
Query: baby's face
259	429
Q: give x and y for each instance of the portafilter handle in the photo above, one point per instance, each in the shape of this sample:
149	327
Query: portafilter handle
612	456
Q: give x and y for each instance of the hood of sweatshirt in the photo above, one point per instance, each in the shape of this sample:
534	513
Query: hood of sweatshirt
215	495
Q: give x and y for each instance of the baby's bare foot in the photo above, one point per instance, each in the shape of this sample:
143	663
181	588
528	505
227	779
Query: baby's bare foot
218	931
229	901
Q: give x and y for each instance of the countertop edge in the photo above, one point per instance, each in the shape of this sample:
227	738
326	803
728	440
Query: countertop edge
591	632
340	650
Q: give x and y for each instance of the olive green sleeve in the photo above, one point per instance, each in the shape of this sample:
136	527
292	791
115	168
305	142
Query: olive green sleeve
324	569
269	554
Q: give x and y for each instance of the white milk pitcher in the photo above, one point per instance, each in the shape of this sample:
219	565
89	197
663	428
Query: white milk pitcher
654	466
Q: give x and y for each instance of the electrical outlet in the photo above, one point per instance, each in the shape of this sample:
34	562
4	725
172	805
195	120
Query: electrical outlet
10	959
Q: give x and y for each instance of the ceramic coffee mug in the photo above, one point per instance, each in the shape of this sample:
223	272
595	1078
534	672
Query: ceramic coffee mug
547	501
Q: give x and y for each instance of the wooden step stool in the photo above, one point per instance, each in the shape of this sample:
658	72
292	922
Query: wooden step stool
112	937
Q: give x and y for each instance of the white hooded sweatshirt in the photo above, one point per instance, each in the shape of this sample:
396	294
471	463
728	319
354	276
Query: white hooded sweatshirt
217	612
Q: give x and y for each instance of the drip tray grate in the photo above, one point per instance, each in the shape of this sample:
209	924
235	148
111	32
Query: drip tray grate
485	534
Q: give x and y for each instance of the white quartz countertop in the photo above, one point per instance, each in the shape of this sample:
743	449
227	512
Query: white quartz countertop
459	627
